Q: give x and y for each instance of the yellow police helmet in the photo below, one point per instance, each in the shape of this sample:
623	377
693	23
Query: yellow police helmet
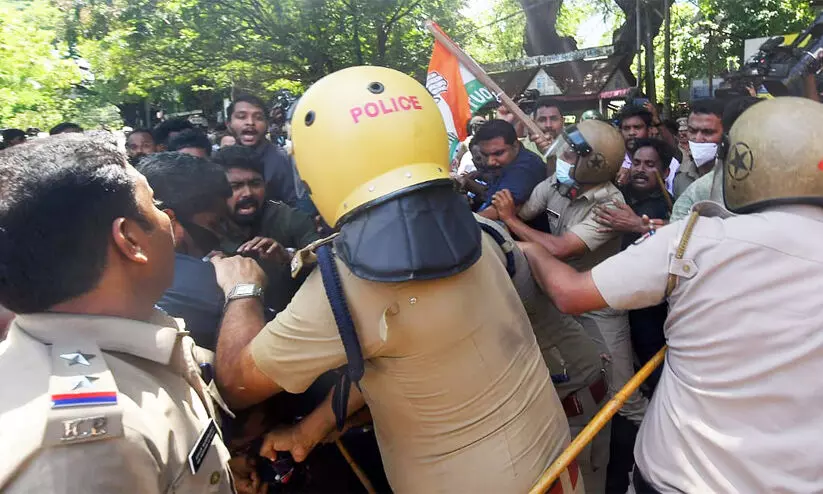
365	134
774	155
606	156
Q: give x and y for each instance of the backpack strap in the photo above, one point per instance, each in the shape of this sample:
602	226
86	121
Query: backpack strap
353	371
505	246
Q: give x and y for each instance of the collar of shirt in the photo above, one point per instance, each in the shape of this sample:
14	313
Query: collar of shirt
590	195
153	340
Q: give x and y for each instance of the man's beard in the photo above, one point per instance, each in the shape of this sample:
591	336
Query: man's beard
247	219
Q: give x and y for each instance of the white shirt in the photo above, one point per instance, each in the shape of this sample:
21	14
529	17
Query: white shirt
739	407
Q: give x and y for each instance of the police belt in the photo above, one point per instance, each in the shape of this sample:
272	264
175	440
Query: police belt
572	405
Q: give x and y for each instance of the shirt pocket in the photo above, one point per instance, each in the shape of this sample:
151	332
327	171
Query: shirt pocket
213	476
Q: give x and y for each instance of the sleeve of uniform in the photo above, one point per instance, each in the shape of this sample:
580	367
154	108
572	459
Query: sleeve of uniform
636	278
587	231
98	467
537	202
302	342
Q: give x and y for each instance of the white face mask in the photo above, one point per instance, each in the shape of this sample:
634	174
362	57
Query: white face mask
702	152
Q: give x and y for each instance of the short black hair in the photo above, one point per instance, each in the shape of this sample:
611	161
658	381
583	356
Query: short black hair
239	157
60	197
184	183
140	131
707	107
664	150
630	111
65	127
496	128
190	138
163	129
735	108
250	99
546	102
10	134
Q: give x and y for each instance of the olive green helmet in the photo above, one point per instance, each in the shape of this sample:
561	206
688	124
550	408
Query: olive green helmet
774	155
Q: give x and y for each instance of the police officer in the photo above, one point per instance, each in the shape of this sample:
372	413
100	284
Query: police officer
588	157
740	393
452	373
101	393
572	358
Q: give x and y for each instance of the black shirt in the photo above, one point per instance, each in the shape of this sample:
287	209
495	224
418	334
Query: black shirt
653	205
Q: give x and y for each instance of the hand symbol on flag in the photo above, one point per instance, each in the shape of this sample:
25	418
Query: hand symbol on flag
436	84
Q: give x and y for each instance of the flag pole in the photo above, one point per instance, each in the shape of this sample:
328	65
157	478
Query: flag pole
481	75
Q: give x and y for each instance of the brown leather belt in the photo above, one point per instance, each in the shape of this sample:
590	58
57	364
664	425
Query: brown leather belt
574	473
572	405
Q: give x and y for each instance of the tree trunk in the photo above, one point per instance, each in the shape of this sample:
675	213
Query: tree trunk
541	34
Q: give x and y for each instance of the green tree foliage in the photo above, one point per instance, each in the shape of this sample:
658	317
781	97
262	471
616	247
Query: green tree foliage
40	85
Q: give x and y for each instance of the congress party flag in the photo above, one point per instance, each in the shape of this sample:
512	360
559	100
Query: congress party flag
457	92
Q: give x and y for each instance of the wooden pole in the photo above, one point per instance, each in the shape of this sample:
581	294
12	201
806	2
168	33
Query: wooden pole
355	467
596	424
667	60
662	186
481	75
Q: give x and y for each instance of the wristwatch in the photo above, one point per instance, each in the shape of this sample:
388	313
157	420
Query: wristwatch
244	290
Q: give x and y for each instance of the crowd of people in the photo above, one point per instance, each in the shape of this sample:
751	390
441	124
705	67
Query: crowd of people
351	309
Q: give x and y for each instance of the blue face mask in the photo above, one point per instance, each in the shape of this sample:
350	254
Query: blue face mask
563	169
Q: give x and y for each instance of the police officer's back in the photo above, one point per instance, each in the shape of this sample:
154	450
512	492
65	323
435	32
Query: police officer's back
100	392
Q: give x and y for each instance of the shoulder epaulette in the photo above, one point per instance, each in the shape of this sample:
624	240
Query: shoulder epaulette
83	396
306	255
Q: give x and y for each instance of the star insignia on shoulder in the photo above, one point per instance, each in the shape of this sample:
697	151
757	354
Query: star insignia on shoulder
77	358
84	382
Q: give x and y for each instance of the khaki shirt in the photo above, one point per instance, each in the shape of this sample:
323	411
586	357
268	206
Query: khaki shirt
685	176
566	348
576	216
133	434
738	405
461	398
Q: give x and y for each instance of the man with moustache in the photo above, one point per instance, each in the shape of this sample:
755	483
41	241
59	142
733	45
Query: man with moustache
265	226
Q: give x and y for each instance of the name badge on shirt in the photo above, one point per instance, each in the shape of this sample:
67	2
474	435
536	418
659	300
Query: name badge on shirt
552	213
201	447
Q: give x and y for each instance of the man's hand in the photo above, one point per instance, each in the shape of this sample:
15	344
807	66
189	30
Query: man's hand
503	202
294	439
652	108
232	271
621	218
543	142
246	480
622	177
266	249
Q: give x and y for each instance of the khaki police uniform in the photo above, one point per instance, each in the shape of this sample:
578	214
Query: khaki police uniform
609	328
573	360
454	379
95	404
738	405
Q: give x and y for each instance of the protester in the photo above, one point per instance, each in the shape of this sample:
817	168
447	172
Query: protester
392	279
13	137
265	227
248	123
707	186
225	140
705	130
191	141
102	392
636	122
140	143
719	420
65	127
167	129
548	116
516	169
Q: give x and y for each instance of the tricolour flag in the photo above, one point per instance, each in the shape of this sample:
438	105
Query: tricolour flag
457	92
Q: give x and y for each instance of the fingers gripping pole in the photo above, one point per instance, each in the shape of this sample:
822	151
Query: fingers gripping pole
596	424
